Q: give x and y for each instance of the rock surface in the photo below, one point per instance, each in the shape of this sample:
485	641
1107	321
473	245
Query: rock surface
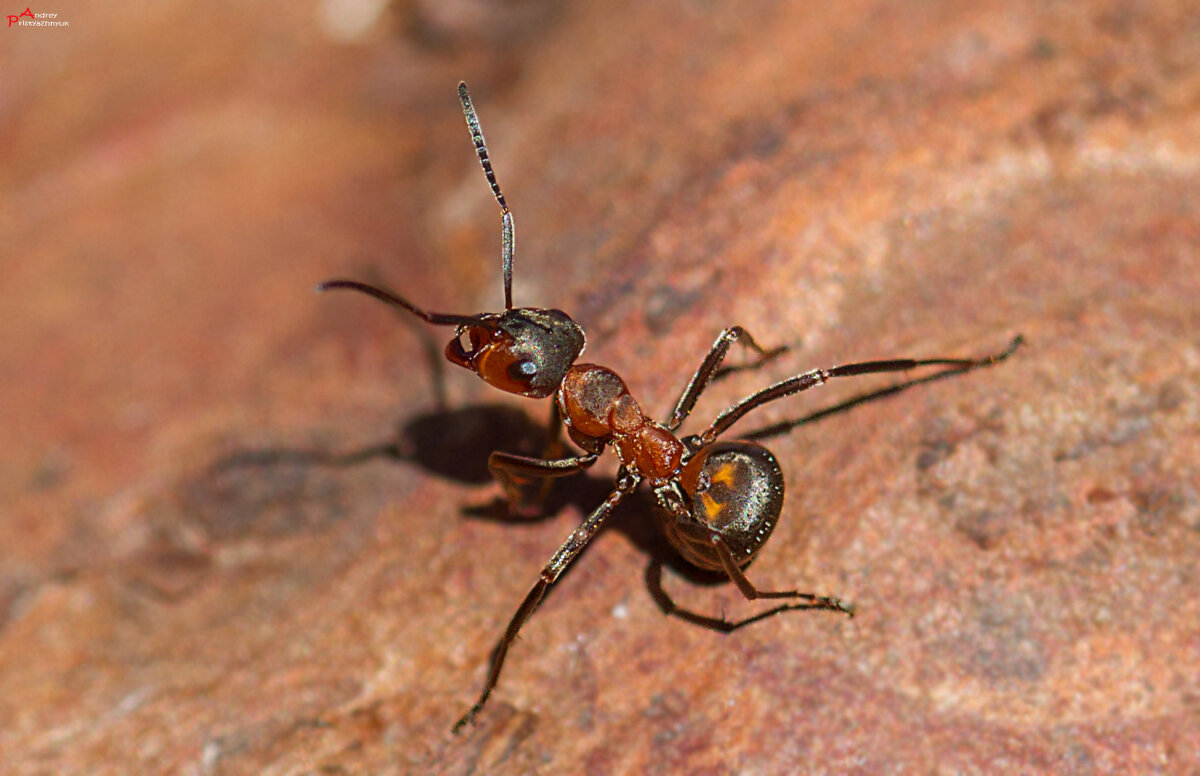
245	529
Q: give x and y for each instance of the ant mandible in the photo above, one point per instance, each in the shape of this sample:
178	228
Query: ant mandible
719	499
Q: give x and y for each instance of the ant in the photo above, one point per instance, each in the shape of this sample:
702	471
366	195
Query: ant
719	499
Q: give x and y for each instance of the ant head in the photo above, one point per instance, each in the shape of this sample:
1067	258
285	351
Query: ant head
526	351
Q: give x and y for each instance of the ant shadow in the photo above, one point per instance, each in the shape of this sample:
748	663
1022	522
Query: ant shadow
451	444
454	444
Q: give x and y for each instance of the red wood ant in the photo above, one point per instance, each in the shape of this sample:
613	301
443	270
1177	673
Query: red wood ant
719	499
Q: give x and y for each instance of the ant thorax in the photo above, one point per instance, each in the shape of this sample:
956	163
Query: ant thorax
598	409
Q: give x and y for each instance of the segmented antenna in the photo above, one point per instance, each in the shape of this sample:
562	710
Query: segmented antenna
506	221
439	319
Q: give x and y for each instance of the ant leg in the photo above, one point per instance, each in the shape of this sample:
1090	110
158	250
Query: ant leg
811	379
710	369
516	473
752	593
719	624
554	446
504	464
574	544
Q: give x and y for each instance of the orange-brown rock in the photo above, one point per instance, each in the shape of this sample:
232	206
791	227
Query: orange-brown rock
246	529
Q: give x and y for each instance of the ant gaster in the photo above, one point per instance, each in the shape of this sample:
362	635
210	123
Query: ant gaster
719	499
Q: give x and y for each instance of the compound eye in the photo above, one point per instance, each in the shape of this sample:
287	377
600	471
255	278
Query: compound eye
522	371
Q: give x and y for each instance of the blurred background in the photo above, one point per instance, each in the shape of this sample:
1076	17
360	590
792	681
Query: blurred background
247	529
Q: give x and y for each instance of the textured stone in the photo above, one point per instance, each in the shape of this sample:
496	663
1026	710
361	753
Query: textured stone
248	530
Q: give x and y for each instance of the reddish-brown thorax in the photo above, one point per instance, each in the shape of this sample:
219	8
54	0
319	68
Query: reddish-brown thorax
598	409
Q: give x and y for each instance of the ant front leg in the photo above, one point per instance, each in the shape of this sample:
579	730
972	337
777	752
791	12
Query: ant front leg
574	545
719	624
526	481
517	474
711	369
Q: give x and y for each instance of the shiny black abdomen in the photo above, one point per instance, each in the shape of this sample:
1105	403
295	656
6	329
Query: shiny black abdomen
736	489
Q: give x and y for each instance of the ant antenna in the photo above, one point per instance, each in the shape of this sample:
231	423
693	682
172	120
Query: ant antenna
506	219
439	319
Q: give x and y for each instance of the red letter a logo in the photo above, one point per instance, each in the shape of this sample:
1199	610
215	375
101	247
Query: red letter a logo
13	19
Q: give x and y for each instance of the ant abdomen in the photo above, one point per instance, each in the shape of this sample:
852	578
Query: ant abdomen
736	489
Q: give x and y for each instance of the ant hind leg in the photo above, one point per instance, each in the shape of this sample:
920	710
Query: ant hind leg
752	593
719	624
